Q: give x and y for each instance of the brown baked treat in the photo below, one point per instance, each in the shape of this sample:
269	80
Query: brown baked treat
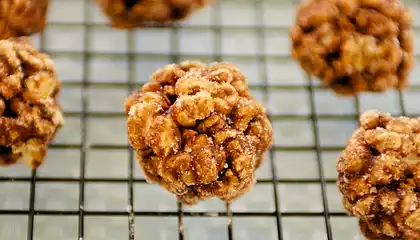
198	132
126	14
354	46
22	17
379	176
29	113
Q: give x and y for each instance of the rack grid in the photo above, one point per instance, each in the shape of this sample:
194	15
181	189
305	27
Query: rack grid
90	186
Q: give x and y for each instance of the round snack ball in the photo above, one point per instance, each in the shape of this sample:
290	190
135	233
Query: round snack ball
198	132
379	176
354	46
29	113
126	14
22	17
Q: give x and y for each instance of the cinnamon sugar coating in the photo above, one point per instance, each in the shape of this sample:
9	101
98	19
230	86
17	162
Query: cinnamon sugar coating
126	14
198	132
22	17
379	176
29	113
354	46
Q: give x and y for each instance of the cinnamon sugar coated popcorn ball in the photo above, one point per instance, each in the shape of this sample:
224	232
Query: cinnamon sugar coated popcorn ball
126	14
29	113
22	17
379	176
354	46
198	132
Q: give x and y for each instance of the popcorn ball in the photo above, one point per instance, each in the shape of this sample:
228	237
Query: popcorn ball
354	46
379	176
198	131
29	113
22	17
126	14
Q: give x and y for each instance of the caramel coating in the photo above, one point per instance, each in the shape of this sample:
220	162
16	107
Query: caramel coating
29	113
22	17
198	132
379	176
127	14
354	46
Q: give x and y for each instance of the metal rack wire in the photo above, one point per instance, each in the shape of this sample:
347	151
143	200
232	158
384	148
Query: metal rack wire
262	58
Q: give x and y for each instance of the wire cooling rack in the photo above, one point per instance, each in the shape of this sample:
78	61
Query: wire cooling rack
90	186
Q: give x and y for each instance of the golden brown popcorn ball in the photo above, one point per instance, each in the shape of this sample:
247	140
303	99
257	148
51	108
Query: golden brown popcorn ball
354	46
379	176
22	17
126	14
29	113
198	132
